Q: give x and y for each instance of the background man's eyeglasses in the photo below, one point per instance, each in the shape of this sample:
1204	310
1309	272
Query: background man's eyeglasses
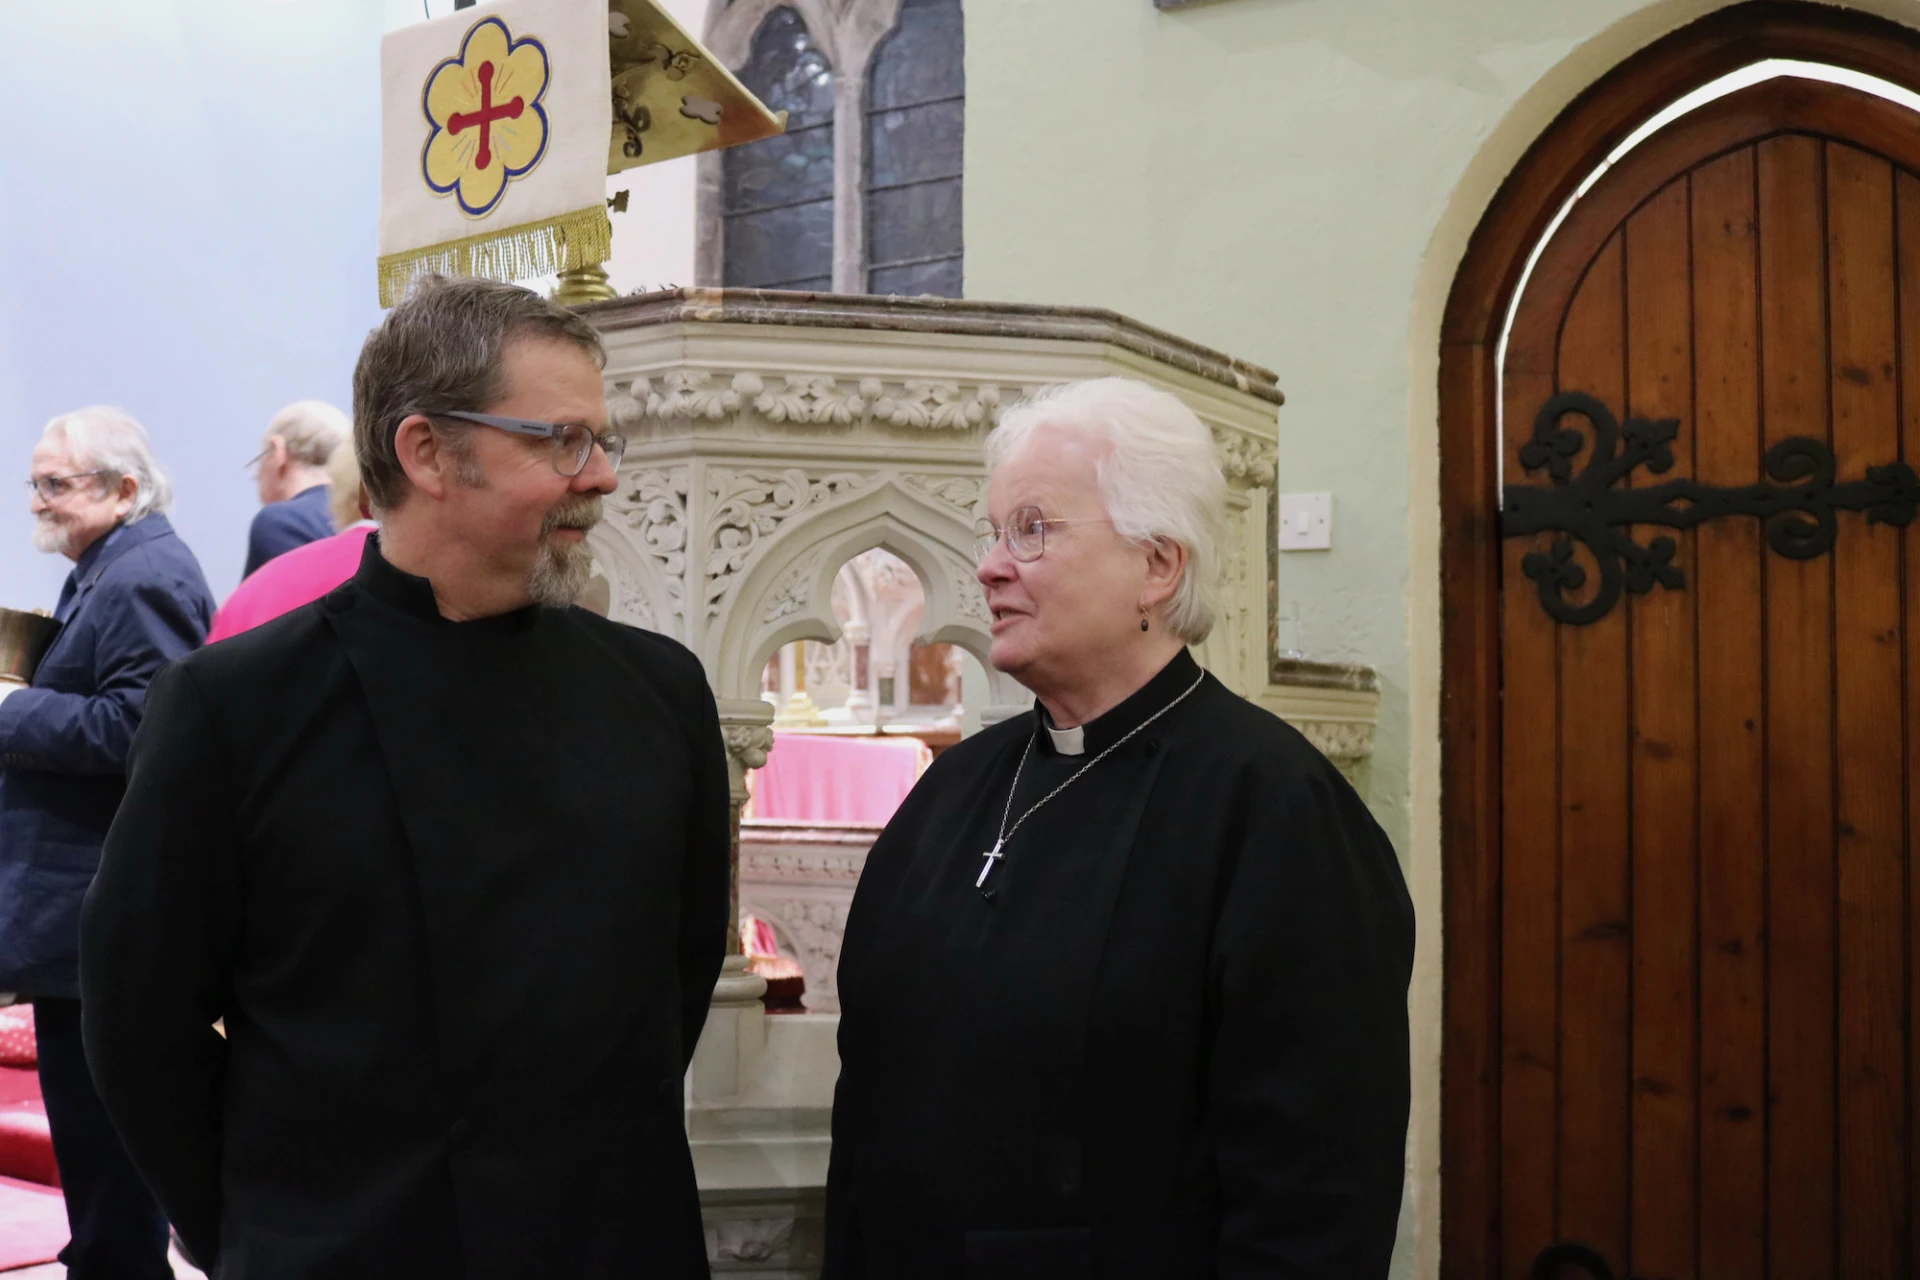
51	487
1025	532
572	442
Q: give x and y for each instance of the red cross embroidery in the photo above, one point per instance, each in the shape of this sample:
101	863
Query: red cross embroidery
483	118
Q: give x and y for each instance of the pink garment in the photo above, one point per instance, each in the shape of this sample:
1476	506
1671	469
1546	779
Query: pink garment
812	777
290	580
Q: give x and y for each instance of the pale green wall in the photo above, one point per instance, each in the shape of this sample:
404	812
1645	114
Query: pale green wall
1294	182
1263	176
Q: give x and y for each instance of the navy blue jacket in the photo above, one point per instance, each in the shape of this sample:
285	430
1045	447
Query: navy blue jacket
134	602
279	527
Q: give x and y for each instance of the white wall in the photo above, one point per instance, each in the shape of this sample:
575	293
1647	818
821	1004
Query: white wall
187	215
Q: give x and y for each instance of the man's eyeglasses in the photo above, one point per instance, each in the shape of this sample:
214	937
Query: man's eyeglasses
572	441
51	487
1025	532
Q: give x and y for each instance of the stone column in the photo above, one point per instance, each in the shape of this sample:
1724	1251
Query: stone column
860	703
736	1024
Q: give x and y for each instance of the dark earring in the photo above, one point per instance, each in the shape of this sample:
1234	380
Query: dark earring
1143	624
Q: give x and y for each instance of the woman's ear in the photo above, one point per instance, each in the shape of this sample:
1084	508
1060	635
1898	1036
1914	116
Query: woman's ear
423	456
1166	565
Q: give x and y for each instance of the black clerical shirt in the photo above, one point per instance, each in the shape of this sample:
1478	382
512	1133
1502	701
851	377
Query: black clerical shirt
459	891
1173	1042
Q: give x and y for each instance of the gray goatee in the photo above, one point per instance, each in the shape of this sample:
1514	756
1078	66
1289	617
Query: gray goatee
561	569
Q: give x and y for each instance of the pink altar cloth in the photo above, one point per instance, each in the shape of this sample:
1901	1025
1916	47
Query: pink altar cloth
811	777
290	580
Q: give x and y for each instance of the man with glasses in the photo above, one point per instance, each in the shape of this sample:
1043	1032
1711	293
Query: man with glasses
290	472
447	856
134	601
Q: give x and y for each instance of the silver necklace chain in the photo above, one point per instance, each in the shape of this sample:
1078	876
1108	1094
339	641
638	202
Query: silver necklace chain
1007	833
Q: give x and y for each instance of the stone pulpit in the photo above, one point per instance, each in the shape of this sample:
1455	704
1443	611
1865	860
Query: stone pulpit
772	438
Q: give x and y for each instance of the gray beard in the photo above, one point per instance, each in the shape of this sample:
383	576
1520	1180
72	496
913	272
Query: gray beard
560	570
51	538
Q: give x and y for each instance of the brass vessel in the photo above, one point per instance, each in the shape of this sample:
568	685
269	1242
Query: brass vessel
24	637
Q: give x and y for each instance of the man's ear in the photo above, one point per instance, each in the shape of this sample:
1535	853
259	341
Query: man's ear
125	490
1166	565
277	454
423	456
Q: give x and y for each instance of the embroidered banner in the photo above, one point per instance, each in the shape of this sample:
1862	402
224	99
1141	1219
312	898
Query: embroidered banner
670	98
494	126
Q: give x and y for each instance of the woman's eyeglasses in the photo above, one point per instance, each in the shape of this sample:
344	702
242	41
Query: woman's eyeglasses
1025	532
572	442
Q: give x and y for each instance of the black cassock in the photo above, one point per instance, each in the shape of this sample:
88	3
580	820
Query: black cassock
459	891
1172	1045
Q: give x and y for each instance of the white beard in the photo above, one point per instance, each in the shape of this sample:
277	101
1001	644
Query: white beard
51	537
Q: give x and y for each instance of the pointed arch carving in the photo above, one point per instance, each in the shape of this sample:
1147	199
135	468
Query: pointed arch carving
786	594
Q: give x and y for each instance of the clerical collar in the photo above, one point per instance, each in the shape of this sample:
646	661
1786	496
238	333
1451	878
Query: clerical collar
1103	731
1066	742
414	595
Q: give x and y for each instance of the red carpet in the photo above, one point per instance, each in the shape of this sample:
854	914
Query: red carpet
33	1224
26	1149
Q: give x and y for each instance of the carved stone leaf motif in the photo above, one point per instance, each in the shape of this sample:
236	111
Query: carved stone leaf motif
750	507
962	493
748	743
790	594
688	393
806	398
971	600
1247	458
655	504
937	405
811	399
633	604
1339	740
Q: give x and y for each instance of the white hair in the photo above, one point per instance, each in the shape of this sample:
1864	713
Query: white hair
1160	477
311	430
344	491
109	440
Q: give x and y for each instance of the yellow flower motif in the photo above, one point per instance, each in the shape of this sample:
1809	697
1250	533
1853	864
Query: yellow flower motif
486	124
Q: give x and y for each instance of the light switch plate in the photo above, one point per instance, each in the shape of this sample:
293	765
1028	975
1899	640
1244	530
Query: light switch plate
1306	521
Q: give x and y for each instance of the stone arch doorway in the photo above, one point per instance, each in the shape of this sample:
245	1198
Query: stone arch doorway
1680	740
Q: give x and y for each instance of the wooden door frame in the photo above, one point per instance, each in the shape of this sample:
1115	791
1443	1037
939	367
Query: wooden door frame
1570	149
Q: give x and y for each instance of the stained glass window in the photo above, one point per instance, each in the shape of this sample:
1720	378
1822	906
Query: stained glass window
777	194
916	117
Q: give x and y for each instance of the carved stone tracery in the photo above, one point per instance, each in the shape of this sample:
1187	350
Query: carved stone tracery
750	507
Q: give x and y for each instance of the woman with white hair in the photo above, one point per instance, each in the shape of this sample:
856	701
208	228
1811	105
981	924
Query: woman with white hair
1124	985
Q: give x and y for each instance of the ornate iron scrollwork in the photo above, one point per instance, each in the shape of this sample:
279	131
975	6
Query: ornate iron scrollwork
1799	502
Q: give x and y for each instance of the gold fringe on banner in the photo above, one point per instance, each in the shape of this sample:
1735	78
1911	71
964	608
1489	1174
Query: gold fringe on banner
583	238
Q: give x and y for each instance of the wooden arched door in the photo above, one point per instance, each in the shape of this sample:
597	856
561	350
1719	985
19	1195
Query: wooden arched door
1704	1052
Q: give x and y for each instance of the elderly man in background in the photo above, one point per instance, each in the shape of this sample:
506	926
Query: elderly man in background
291	472
304	573
134	601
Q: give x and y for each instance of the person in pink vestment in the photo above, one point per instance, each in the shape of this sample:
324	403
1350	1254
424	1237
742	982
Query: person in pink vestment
306	573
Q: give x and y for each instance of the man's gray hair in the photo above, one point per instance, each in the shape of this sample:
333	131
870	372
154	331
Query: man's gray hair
109	440
1160	477
311	430
438	352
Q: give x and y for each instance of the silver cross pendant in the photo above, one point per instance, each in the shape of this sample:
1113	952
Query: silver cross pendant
992	856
